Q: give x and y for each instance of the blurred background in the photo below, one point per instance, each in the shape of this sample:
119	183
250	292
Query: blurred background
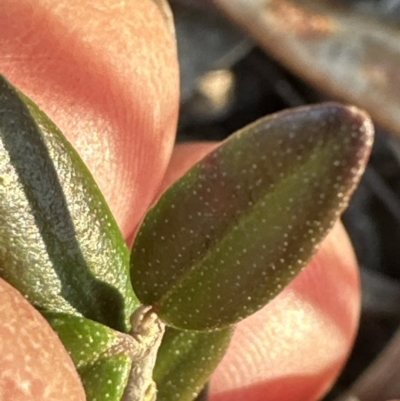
243	59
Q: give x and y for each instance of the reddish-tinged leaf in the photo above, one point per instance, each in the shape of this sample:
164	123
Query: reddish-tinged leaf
237	227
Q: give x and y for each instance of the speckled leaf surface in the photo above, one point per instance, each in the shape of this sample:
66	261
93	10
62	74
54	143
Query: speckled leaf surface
59	244
100	354
105	380
84	339
110	362
239	225
186	360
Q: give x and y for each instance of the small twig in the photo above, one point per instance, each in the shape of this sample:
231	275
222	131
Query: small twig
382	191
349	55
380	295
381	380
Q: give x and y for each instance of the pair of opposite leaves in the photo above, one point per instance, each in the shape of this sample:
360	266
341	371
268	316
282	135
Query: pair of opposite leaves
217	246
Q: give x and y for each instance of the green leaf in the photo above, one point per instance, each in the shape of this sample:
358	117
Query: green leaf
100	354
113	366
105	380
59	244
237	227
186	360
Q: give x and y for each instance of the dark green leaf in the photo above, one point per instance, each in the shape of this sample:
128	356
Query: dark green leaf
59	243
231	233
186	360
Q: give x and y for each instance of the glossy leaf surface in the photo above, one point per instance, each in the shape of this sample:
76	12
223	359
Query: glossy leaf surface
100	354
60	245
186	360
238	226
